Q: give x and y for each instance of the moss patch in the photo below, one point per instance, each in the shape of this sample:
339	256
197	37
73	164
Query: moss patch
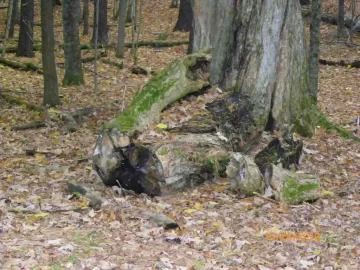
294	192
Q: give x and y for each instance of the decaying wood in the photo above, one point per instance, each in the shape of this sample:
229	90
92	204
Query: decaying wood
31	125
22	66
353	64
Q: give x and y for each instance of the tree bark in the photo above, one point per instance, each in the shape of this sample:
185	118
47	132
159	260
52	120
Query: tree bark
14	17
341	18
103	37
314	51
73	71
184	21
121	29
51	94
86	17
25	44
258	51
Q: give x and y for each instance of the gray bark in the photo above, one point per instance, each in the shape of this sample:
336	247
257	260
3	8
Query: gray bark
51	94
259	51
73	71
121	29
341	18
86	17
102	27
14	17
314	52
25	44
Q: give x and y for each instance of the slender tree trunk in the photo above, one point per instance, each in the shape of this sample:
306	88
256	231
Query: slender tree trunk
51	95
73	71
96	35
128	11
7	30
121	29
341	18
314	48
14	16
78	11
184	21
103	37
259	52
86	17
25	44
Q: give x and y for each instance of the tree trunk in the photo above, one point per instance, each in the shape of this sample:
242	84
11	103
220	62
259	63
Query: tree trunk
103	37
51	95
128	11
86	17
341	18
121	29
185	18
73	71
25	44
259	51
314	48
14	16
78	11
7	29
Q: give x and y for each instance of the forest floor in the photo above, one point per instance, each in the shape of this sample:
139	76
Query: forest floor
218	229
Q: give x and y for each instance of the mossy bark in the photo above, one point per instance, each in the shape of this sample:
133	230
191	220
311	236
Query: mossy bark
73	71
185	75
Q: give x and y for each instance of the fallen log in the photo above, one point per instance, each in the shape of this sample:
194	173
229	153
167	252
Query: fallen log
21	66
119	65
353	64
31	125
21	102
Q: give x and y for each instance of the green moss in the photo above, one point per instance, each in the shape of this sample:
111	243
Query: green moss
293	192
73	79
218	163
142	102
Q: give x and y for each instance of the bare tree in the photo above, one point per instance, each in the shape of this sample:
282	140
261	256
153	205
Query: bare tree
121	29
73	71
51	94
25	44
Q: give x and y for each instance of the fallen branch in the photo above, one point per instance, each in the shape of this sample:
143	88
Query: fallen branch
31	125
22	66
21	102
119	65
353	64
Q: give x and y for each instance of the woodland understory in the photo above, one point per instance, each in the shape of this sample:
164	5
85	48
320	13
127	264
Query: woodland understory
218	230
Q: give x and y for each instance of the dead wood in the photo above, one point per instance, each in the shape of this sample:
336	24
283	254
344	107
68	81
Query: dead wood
31	125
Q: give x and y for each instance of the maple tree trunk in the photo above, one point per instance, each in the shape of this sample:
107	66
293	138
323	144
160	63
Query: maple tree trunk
25	44
73	71
14	17
86	17
103	37
258	51
51	94
121	29
184	21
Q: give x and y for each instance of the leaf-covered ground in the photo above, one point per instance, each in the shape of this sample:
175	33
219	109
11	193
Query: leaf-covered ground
40	228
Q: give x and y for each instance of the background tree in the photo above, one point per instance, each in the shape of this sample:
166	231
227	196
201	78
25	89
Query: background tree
185	17
314	51
25	44
51	94
14	17
341	18
121	29
174	4
258	51
7	29
102	27
86	17
73	71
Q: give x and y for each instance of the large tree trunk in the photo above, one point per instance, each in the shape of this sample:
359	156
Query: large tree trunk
184	21
14	17
258	51
25	44
73	71
103	37
51	95
121	29
314	52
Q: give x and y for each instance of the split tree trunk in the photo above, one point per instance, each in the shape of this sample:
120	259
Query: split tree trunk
73	71
51	94
184	21
25	44
258	51
103	37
